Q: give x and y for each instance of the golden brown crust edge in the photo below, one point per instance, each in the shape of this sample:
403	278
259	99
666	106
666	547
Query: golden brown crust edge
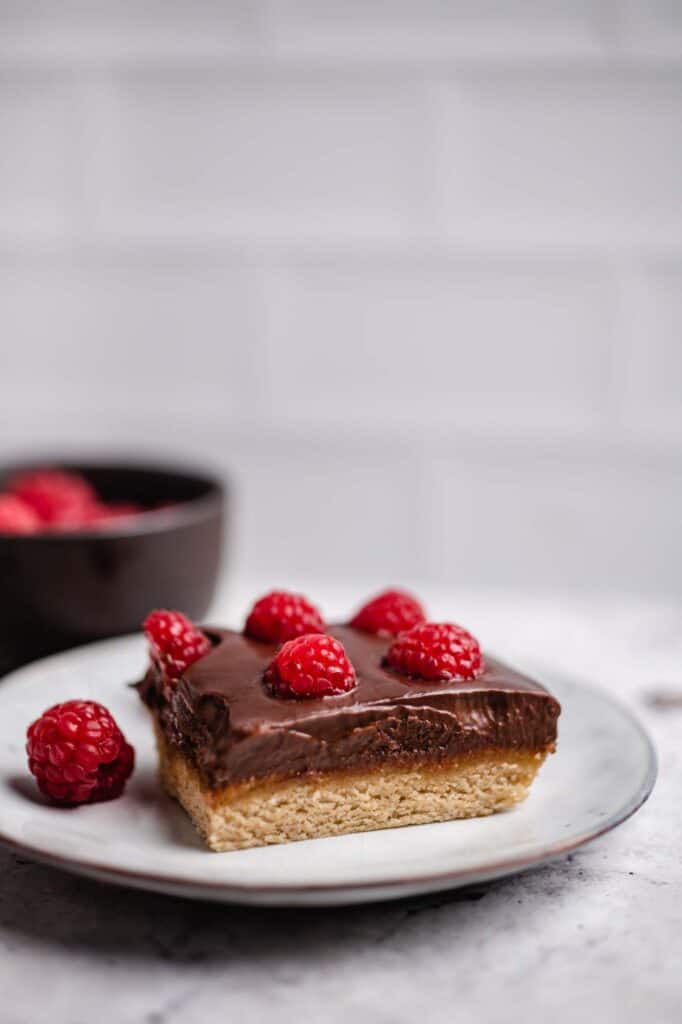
309	807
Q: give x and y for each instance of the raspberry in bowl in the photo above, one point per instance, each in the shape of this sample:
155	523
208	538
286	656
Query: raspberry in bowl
86	549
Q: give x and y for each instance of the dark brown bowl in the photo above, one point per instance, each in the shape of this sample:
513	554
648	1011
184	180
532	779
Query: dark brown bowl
58	590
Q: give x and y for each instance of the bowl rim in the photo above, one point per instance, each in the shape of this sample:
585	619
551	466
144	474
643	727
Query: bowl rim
152	521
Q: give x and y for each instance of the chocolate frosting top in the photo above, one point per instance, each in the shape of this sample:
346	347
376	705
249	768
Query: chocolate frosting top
230	725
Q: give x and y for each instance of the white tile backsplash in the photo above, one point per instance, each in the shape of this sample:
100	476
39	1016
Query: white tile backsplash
652	383
589	154
86	31
466	344
306	507
252	156
559	520
652	27
156	340
353	29
410	273
38	154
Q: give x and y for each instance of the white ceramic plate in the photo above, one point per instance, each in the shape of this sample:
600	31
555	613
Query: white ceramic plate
603	771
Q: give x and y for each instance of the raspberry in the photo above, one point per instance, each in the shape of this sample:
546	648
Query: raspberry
174	642
16	516
436	651
315	665
78	754
281	616
389	613
59	499
112	777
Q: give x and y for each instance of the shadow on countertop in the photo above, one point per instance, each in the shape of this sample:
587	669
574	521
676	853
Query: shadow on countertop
76	914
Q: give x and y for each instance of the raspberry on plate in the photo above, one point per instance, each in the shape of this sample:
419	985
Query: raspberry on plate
78	754
280	616
389	613
16	516
436	651
59	499
174	641
315	665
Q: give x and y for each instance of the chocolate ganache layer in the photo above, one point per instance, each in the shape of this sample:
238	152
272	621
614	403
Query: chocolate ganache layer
228	724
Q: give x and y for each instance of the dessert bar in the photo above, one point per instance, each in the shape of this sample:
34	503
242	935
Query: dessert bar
342	731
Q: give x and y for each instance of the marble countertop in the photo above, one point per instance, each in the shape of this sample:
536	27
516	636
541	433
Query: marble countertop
597	934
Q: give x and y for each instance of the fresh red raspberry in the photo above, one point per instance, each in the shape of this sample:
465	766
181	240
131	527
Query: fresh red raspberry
78	754
315	665
61	500
16	516
112	777
174	641
280	616
389	613
436	651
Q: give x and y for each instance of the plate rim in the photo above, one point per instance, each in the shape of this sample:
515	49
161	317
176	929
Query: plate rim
383	888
